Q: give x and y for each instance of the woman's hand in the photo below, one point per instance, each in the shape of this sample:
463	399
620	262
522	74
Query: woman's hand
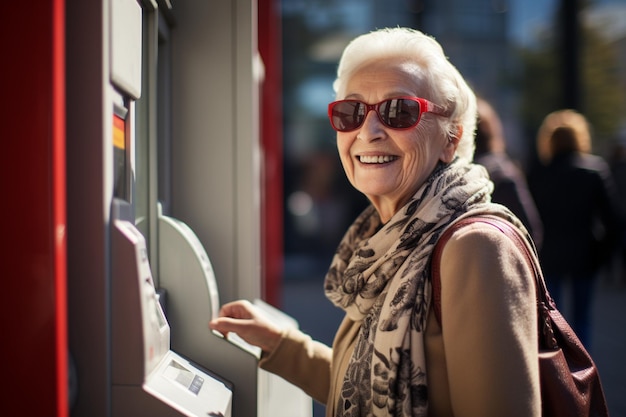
243	318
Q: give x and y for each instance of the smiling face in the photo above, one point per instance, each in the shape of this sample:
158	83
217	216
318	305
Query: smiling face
388	165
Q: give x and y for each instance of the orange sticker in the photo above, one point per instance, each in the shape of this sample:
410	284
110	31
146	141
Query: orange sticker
119	132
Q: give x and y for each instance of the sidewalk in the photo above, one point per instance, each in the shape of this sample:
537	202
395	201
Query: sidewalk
305	301
609	344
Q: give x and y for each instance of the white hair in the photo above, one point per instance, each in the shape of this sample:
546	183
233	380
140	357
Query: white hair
443	82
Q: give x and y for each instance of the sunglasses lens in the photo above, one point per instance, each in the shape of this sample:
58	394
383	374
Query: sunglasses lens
397	113
347	115
400	113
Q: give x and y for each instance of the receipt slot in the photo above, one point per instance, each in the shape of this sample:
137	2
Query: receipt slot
149	379
186	275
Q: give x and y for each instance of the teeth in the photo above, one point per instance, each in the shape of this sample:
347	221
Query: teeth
376	159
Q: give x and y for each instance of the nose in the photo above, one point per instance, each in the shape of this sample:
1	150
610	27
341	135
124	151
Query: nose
372	128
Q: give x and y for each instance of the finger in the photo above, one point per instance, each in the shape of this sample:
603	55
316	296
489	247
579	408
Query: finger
227	325
237	309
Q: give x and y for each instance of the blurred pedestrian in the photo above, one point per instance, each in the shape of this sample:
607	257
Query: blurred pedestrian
510	187
617	162
575	195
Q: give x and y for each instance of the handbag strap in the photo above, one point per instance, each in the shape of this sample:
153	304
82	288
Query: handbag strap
544	301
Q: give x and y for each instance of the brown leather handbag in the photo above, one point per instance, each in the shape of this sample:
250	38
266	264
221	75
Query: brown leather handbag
570	381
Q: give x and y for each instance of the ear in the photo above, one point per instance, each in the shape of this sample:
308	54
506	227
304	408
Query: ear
449	149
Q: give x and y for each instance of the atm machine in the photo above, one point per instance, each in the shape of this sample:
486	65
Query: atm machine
183	275
186	275
148	378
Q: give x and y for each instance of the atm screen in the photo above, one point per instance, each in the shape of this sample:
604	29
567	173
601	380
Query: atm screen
183	376
119	157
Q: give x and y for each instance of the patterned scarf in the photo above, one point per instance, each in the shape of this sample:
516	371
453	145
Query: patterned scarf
380	275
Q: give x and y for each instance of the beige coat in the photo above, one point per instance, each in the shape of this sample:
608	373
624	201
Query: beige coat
483	363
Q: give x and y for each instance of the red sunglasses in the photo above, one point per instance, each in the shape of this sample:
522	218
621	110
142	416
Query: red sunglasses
397	113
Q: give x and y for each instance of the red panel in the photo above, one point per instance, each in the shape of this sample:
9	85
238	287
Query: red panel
33	208
271	140
59	203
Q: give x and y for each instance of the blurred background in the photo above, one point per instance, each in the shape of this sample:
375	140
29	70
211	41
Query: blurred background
527	57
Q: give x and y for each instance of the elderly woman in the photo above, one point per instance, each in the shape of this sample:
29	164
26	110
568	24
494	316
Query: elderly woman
405	120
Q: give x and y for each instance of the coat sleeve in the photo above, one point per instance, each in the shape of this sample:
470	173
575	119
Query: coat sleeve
302	361
489	326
